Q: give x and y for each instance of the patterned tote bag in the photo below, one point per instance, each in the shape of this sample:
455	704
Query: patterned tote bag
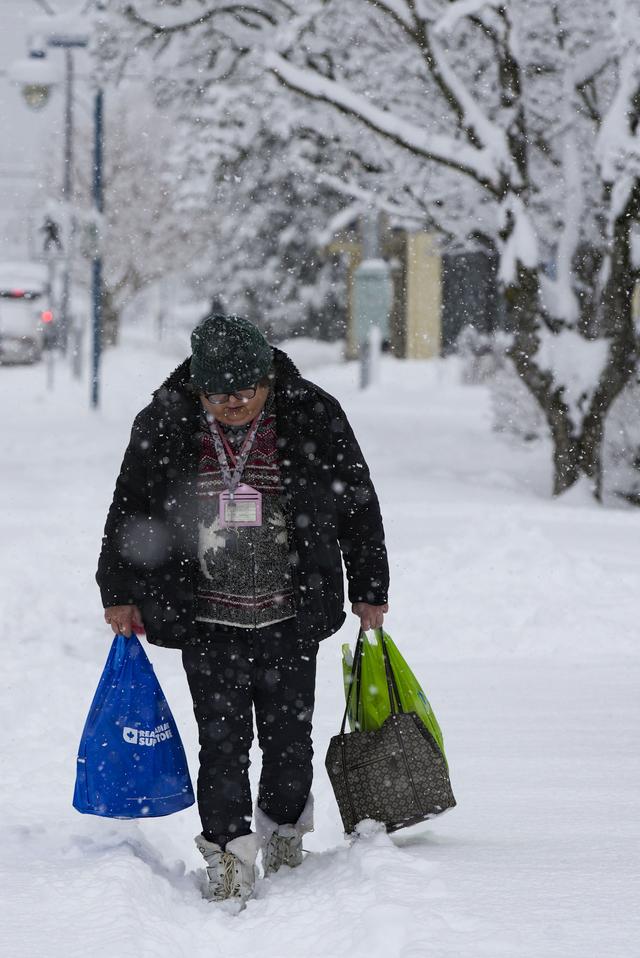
396	774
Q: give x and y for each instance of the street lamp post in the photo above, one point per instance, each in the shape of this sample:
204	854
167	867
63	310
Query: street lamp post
36	77
67	195
36	94
96	265
68	42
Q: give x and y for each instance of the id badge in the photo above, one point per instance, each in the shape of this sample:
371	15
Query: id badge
244	508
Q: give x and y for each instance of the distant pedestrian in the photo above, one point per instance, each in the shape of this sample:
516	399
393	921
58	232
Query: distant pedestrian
240	490
51	232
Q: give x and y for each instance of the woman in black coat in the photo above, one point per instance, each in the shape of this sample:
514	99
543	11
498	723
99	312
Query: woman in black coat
241	491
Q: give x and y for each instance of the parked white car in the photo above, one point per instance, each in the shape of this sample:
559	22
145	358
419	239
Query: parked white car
25	315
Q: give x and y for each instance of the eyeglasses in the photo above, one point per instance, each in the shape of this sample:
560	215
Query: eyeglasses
219	399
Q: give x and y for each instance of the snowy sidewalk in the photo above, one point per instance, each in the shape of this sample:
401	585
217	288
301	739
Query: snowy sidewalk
519	614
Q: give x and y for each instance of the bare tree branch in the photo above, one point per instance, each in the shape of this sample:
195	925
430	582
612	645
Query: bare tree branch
411	29
238	11
46	6
588	95
370	197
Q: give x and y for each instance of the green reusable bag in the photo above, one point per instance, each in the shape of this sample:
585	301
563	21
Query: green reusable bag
396	774
373	706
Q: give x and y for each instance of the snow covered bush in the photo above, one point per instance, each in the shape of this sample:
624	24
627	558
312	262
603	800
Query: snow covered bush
515	411
485	361
622	446
483	354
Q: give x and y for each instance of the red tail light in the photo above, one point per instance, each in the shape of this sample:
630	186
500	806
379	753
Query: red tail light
47	316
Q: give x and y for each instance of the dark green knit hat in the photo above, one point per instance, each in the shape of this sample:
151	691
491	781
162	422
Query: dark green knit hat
228	353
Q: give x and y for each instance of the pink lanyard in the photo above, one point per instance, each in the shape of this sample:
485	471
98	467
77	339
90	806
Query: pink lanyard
223	449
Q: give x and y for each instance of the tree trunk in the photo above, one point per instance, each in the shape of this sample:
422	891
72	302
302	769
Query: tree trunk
111	310
566	456
523	309
619	327
110	318
577	447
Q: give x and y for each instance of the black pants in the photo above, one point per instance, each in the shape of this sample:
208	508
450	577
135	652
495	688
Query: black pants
274	670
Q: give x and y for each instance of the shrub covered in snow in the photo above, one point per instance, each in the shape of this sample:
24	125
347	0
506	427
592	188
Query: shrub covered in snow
515	411
483	354
621	452
485	361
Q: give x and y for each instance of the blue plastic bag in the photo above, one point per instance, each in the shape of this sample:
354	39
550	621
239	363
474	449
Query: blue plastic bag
131	762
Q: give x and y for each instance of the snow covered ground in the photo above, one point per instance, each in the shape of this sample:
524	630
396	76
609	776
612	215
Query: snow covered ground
519	614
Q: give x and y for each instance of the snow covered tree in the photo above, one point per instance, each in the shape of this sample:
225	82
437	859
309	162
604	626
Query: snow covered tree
248	179
144	239
265	214
509	123
269	218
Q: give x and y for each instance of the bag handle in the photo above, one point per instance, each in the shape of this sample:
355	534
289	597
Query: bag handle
355	681
120	647
392	686
395	705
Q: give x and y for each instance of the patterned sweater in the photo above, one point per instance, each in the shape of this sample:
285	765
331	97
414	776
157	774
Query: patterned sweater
244	576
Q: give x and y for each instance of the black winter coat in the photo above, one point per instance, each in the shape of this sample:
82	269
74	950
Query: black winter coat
150	544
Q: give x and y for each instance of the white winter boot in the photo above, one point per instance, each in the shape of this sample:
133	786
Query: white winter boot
231	874
282	844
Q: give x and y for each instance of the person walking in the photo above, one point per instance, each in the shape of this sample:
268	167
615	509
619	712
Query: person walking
241	491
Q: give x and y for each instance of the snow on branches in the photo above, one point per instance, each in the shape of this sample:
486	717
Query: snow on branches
477	163
460	10
504	124
520	245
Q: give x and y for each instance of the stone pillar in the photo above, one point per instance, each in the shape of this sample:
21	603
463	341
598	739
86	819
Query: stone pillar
424	297
353	251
